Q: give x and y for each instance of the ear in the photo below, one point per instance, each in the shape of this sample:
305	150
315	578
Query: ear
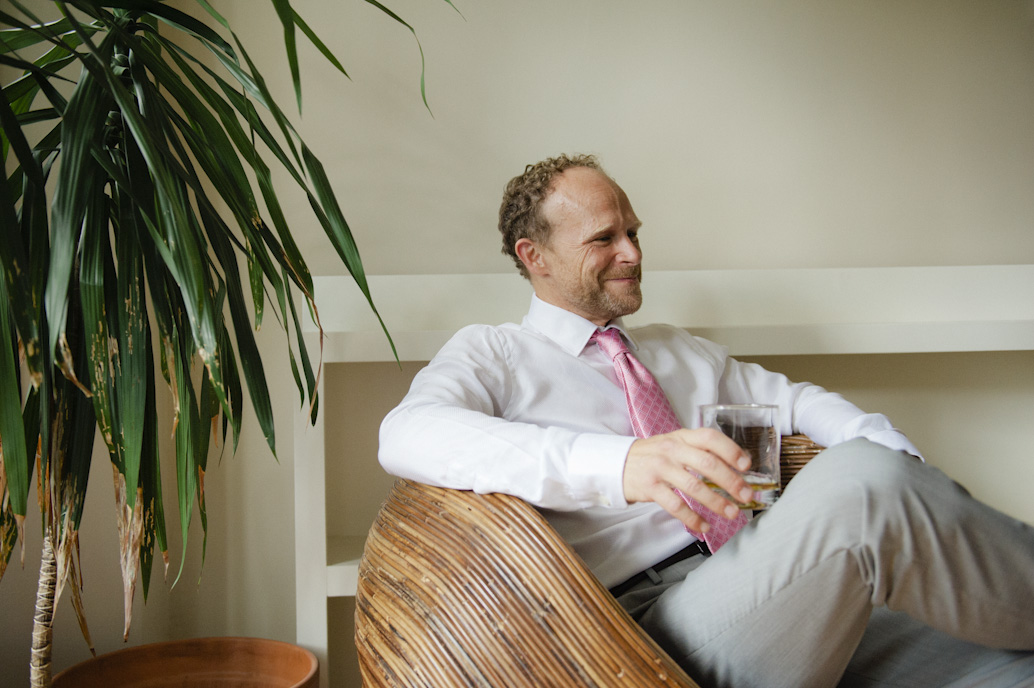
532	256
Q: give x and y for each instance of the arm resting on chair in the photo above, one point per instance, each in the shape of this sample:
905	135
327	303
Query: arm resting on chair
461	589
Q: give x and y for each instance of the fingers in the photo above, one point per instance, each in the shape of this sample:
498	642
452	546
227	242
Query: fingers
675	505
687	460
706	495
717	445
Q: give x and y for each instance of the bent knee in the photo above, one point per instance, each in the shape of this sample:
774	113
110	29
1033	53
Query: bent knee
857	467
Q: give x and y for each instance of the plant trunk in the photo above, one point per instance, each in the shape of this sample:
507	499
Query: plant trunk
43	621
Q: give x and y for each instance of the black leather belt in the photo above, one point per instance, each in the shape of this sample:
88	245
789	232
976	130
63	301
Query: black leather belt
694	549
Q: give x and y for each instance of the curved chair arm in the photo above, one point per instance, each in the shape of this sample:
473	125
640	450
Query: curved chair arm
795	452
461	589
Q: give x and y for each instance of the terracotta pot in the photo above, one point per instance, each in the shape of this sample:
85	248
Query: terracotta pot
237	662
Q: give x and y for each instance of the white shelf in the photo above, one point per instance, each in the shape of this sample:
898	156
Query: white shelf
343	554
753	312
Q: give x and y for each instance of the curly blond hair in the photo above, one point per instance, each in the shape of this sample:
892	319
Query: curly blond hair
520	215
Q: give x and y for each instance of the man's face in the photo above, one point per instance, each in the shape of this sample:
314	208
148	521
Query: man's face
592	261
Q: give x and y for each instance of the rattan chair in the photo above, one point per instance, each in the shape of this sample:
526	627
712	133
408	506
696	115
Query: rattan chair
461	589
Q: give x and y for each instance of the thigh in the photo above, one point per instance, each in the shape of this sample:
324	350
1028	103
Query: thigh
781	604
729	635
787	600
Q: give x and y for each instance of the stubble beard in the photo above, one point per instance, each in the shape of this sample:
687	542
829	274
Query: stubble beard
626	301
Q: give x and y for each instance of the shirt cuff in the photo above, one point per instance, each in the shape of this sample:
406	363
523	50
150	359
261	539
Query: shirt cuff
596	469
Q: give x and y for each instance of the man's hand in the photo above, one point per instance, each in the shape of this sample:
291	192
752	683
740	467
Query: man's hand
657	465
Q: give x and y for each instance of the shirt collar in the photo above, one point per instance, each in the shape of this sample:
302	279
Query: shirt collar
570	331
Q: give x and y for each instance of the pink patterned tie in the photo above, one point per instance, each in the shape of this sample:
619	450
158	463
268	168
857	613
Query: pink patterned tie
651	414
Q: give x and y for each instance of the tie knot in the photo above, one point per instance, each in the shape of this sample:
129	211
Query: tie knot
610	342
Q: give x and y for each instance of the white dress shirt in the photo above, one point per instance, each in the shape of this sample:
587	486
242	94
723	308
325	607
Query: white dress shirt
535	410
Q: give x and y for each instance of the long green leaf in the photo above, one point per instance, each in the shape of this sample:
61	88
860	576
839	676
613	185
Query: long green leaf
13	257
261	93
73	457
208	408
66	474
289	252
21	92
12	431
133	355
10	522
154	535
135	189
244	106
232	383
186	426
286	14
215	15
33	25
12	40
81	134
320	45
334	224
13	134
423	64
250	359
177	19
96	291
310	378
8	534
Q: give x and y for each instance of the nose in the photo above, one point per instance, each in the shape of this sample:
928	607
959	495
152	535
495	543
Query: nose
629	251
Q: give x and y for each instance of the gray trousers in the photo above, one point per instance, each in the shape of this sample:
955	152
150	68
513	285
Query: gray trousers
873	569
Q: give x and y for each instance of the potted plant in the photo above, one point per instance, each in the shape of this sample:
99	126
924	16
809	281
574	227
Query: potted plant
133	243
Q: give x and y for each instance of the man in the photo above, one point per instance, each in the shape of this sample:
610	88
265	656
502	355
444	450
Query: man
538	410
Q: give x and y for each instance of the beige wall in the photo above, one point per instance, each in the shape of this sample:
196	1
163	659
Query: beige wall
797	132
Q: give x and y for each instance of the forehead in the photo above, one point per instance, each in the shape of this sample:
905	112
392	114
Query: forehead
587	198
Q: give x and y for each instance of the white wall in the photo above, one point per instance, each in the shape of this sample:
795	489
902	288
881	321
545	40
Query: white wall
797	132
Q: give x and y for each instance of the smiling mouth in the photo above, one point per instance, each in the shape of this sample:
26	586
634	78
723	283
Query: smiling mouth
636	275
